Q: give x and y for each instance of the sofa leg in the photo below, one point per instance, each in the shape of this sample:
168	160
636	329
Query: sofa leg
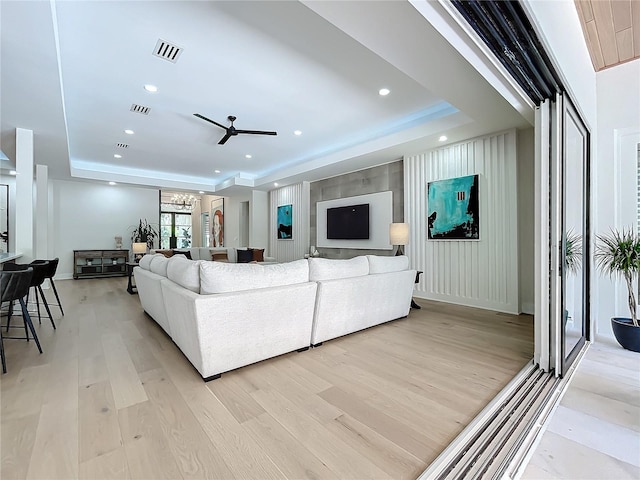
213	377
303	349
317	345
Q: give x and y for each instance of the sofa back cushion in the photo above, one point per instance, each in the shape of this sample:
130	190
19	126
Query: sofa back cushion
145	261
184	272
386	264
159	264
220	277
330	269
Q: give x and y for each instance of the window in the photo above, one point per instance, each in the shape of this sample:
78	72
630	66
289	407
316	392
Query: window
175	228
206	232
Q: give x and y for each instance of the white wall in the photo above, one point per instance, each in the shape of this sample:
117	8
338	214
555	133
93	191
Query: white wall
481	273
298	196
614	174
258	220
559	29
89	215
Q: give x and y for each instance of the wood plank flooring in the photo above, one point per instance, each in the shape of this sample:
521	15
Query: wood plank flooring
112	397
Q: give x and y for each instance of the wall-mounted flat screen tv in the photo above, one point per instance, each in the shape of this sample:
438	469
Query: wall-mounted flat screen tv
348	223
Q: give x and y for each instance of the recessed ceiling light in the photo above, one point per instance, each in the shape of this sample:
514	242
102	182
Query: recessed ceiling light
297	132
247	155
442	138
117	156
112	183
128	132
384	92
275	184
216	171
151	88
201	192
13	172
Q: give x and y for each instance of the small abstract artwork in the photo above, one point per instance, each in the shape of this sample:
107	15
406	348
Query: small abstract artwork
4	218
217	222
453	209
285	222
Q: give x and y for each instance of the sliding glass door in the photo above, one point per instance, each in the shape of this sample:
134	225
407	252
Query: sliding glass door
575	234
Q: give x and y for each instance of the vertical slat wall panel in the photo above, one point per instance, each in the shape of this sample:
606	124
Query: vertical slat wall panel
481	273
298	196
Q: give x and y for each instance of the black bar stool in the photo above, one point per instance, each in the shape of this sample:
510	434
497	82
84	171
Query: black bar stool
50	273
14	285
39	272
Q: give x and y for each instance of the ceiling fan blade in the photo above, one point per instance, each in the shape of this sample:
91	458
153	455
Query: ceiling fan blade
209	120
257	132
224	139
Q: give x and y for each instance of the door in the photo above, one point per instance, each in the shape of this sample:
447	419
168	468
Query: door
575	250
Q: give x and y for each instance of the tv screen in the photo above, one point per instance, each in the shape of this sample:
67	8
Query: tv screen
348	223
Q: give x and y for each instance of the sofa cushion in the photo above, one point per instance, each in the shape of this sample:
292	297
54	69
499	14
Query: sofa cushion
258	254
330	269
184	272
145	261
245	256
159	264
386	264
220	277
185	253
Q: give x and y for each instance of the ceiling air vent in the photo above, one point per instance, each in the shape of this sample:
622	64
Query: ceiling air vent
167	51
122	145
140	109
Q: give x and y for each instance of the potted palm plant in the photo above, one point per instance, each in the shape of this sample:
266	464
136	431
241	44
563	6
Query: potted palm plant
144	233
618	255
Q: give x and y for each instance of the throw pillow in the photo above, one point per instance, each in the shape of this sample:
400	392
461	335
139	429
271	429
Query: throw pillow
387	264
258	254
186	253
219	257
166	253
245	256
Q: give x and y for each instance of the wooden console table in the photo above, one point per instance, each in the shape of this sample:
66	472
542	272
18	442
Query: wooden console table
100	263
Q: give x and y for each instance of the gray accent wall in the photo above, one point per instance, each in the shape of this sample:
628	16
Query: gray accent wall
387	177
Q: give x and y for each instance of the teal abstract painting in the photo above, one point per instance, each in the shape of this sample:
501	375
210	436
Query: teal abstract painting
453	209
285	222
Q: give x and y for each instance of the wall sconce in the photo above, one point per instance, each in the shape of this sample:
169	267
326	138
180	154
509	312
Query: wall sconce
399	235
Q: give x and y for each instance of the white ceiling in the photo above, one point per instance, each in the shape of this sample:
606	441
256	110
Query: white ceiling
70	71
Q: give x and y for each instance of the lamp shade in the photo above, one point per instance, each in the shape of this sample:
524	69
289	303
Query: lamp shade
139	247
399	233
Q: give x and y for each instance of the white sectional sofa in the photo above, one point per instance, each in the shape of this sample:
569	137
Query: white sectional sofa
224	315
227	315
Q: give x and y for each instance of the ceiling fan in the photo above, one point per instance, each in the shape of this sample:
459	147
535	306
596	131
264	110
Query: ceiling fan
232	131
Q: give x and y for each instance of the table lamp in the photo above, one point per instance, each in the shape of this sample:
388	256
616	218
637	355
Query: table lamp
399	235
139	249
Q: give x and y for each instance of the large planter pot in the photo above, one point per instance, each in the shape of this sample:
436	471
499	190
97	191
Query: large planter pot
627	334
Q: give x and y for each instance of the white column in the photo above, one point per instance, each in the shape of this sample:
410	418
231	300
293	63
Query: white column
24	194
259	219
42	212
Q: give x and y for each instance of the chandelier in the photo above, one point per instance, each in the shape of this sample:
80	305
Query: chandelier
183	201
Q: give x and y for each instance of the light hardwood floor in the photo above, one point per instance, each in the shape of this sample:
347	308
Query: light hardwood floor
113	397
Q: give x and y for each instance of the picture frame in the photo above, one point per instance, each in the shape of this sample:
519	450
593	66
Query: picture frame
217	222
453	211
284	222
